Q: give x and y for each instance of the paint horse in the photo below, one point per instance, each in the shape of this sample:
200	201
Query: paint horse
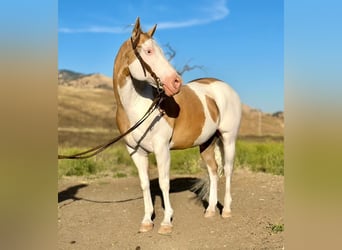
196	114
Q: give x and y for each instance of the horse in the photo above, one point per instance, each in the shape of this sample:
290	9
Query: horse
205	112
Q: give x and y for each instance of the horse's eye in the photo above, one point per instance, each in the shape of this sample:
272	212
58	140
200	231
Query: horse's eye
149	51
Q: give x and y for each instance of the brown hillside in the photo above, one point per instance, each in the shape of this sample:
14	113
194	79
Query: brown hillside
257	123
86	116
86	112
78	80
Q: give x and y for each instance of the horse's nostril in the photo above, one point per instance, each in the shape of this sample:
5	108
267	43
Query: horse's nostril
178	80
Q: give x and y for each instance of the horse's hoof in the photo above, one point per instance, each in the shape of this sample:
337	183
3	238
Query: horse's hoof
145	227
226	214
209	214
165	229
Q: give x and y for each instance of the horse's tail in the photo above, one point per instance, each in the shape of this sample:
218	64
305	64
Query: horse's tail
201	187
219	157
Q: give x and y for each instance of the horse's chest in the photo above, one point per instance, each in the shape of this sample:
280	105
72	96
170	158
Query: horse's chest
154	128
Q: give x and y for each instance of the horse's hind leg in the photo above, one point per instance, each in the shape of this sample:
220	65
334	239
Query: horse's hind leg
208	155
141	161
228	140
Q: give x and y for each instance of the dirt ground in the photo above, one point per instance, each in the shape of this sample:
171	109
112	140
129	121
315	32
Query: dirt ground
105	213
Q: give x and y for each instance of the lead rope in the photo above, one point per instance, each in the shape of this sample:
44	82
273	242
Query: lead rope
95	150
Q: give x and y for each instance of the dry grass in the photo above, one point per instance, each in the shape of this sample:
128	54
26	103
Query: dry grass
86	117
86	108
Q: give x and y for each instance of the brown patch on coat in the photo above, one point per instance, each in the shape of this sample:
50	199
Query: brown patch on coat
124	58
207	80
212	107
120	72
184	113
122	120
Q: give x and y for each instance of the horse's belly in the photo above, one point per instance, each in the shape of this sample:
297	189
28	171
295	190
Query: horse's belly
207	132
187	139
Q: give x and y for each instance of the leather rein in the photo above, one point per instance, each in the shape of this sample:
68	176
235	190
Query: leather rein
154	105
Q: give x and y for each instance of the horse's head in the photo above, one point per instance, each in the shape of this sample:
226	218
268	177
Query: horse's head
149	63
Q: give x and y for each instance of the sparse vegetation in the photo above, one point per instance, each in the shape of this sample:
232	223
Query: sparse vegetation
117	161
77	167
276	228
186	161
267	156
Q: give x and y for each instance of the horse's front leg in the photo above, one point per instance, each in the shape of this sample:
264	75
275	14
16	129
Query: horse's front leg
141	161
162	153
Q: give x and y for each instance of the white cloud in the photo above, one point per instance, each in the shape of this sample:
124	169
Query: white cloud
214	12
94	29
217	11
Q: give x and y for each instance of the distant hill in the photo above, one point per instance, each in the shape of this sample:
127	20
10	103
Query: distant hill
257	123
86	108
75	79
69	75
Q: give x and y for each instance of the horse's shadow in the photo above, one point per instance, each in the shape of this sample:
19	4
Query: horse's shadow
70	193
177	185
180	184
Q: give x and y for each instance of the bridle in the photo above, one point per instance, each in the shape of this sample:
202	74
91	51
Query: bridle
154	105
147	67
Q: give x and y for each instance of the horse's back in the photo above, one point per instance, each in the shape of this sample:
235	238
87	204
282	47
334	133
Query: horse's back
225	97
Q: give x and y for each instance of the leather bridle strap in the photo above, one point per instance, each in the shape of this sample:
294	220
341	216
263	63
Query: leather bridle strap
147	67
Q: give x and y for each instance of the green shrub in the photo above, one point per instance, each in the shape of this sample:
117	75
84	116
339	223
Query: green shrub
265	157
120	156
186	161
77	167
276	228
119	175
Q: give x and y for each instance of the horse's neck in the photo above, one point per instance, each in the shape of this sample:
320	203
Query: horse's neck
133	95
134	90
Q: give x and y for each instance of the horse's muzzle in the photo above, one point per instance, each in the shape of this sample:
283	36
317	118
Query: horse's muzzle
172	85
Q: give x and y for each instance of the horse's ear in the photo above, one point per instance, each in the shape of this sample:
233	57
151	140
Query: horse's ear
136	32
151	31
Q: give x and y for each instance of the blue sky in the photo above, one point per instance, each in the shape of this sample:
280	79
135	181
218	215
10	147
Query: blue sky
238	41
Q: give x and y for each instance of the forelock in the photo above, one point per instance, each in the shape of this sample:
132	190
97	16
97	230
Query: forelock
143	38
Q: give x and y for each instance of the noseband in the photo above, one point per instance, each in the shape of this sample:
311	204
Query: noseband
147	67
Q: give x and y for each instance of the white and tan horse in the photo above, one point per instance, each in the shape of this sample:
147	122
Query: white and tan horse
196	114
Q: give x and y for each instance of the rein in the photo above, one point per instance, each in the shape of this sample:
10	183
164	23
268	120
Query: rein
155	104
95	150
